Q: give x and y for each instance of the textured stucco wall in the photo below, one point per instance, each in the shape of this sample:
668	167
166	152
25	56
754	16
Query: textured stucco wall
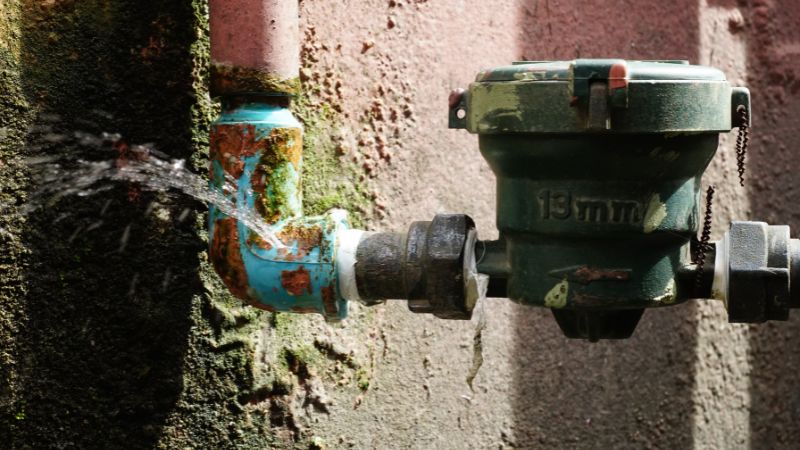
89	362
687	378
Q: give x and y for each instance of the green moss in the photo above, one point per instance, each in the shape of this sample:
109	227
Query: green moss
282	156
363	379
228	80
328	180
287	329
15	117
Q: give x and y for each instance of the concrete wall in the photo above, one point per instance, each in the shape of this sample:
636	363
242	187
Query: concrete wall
209	373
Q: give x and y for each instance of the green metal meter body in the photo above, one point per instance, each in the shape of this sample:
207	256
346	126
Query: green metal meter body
598	166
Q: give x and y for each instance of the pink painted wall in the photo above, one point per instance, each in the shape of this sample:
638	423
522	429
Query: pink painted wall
687	378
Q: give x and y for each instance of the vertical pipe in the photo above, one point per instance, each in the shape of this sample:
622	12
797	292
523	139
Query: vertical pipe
256	159
255	46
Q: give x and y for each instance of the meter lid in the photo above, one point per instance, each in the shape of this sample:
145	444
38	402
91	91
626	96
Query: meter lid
602	69
599	96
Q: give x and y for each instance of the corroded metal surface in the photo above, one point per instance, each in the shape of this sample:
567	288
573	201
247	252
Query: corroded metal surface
426	266
255	160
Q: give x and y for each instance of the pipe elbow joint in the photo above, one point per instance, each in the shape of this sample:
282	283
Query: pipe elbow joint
263	248
295	273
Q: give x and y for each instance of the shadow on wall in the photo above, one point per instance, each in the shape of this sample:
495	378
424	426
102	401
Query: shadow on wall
110	278
633	393
773	57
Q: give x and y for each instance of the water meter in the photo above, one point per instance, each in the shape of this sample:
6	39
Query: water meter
598	165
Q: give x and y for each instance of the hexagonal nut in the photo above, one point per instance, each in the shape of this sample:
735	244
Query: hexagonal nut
445	286
758	272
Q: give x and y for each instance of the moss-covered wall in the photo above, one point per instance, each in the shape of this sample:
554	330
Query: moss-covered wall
114	332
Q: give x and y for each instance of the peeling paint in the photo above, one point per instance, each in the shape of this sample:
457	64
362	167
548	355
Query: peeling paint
224	252
655	214
305	236
296	282
557	296
329	300
229	143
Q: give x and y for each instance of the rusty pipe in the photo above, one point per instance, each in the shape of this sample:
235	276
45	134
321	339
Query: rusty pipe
265	251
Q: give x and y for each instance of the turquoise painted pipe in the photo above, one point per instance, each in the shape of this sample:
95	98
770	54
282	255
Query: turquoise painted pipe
265	250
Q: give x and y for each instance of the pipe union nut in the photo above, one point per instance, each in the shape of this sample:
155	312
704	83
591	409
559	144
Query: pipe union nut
758	272
441	288
426	266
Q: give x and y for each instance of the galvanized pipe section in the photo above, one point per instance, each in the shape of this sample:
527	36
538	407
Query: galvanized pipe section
432	266
380	267
256	34
756	267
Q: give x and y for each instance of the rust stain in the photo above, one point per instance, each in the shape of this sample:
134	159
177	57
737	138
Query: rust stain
306	236
296	282
586	274
286	255
229	143
573	101
227	260
259	305
329	300
259	179
253	239
303	310
287	144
